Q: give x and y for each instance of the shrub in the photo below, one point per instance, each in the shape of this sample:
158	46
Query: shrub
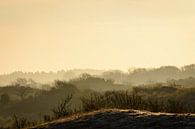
47	118
112	99
93	101
20	123
131	100
62	109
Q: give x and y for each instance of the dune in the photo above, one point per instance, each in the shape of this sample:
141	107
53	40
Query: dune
122	119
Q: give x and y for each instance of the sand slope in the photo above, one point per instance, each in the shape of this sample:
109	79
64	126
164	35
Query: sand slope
122	119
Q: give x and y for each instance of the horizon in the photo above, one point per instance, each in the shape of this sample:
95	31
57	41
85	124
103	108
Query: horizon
66	70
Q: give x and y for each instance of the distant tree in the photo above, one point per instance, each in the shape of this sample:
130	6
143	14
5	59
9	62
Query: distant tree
64	86
116	76
60	84
189	67
46	87
20	82
5	99
85	76
139	70
189	70
22	92
31	82
23	82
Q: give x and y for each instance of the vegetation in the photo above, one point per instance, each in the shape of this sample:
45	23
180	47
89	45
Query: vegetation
62	109
88	93
136	76
172	103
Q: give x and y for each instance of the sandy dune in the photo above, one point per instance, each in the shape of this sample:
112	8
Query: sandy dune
122	119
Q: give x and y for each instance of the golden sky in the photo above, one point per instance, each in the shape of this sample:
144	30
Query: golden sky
101	34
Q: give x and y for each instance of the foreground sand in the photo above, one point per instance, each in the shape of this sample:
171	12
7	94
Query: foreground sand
122	119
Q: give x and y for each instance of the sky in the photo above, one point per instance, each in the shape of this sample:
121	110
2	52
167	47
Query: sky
49	35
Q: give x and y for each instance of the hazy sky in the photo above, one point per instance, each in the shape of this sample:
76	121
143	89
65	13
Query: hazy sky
103	34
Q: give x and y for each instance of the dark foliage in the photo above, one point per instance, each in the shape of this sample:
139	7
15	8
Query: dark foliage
62	109
132	100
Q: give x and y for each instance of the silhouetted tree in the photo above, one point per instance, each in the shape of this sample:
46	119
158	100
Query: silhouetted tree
20	82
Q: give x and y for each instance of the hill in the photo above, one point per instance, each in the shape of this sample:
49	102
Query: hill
136	76
46	77
122	119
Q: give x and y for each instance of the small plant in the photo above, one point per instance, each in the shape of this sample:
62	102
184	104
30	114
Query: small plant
175	106
112	99
62	109
19	123
47	118
94	101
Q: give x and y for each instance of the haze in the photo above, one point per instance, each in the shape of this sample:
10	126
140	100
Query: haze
100	34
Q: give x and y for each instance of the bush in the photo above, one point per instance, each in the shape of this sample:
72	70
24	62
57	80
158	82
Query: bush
47	118
62	109
94	101
132	100
19	123
112	99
